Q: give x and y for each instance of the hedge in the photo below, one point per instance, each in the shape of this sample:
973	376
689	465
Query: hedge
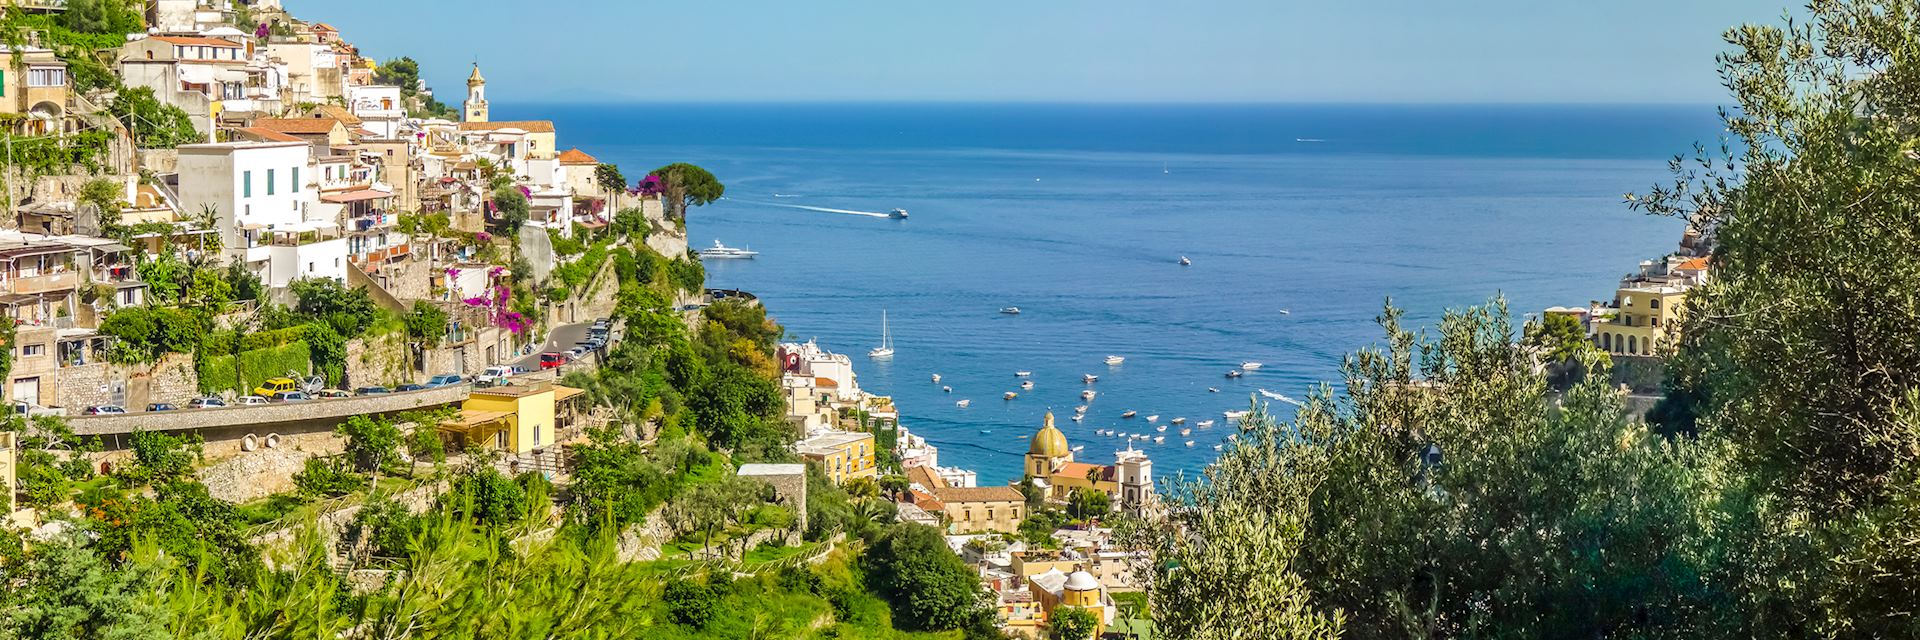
216	372
271	339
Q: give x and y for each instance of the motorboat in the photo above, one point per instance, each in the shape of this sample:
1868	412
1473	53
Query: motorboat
1009	396
1159	439
1186	432
885	350
1080	409
963	403
1184	262
1235	373
1189	443
1204	424
1285	312
1077	417
1028	385
1161	428
986	431
1153	418
1216	447
1115	359
1087	395
1234	415
1078	448
897	214
1178	421
1213	390
946	389
1089	378
1022	374
723	252
1251	366
1130	413
1012	311
936	378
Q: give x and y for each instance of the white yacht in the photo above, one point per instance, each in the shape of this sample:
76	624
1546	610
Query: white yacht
1184	262
1022	374
1159	439
936	378
1012	311
885	350
724	252
1189	443
1087	395
1080	409
1153	418
1089	378
1178	421
1115	359
963	403
1250	366
1161	428
1204	424
1130	413
1186	432
1009	396
897	214
1235	373
1234	415
1077	417
946	389
1026	385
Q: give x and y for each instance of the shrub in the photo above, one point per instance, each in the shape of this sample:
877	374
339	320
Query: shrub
326	477
690	603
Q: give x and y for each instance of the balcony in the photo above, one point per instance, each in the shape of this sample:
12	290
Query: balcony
28	285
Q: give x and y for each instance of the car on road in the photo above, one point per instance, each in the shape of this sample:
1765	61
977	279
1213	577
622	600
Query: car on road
289	396
105	410
246	401
276	385
496	376
371	391
409	387
208	402
445	380
553	359
162	406
332	393
31	410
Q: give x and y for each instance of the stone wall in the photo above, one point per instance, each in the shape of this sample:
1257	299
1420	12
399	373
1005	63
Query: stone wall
470	358
380	360
159	160
88	385
408	281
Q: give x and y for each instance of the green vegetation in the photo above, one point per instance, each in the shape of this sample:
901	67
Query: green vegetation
510	205
688	186
154	124
1071	623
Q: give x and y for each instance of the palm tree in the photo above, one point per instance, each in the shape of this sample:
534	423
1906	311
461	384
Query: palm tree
608	177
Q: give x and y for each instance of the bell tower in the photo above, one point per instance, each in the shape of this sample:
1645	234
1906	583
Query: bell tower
475	109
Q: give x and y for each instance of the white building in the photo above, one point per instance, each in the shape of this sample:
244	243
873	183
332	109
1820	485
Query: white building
809	359
314	71
1135	473
379	108
265	208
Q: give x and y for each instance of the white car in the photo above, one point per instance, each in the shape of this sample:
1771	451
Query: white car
244	401
32	410
496	376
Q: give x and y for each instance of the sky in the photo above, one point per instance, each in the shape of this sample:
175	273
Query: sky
1389	51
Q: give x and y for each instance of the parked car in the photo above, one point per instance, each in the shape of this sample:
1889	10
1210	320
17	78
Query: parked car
289	396
445	380
208	402
332	393
250	400
105	410
371	391
276	385
495	376
30	410
162	406
409	387
552	359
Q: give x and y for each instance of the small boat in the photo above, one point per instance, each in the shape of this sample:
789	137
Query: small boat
1178	421
1234	415
1251	366
1022	374
885	350
1027	385
1012	311
1216	447
947	389
1285	312
1115	359
1186	432
1235	373
1159	439
1189	443
724	252
1078	448
1089	378
1203	424
1130	413
936	378
1009	396
963	403
986	431
1161	428
1153	418
1184	262
897	214
1077	418
1080	409
1213	390
1087	395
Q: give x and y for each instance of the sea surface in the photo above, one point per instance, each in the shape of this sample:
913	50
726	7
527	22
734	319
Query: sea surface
1301	222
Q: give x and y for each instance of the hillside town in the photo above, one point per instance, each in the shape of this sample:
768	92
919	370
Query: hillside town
257	239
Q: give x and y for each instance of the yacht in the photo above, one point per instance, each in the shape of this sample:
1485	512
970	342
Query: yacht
1216	447
1012	311
1178	421
1186	432
1080	409
1235	373
1077	417
1234	415
1027	385
1250	366
1022	374
946	389
1189	443
1213	390
1203	424
1159	439
963	403
897	214
1087	395
1115	359
1089	378
885	350
724	252
1161	428
1184	262
1009	396
936	378
1130	413
1153	418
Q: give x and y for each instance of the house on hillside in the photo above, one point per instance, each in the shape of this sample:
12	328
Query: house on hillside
34	91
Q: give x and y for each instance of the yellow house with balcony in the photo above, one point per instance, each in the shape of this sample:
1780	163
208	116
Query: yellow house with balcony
844	455
516	418
1648	308
33	90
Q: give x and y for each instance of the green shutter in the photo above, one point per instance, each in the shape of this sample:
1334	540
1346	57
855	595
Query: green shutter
269	182
296	179
246	184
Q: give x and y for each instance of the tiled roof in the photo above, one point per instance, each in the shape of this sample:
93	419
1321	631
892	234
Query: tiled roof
1695	264
338	113
576	156
267	135
1080	470
311	126
979	494
529	126
925	477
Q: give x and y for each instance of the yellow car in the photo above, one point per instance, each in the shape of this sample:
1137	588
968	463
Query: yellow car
276	385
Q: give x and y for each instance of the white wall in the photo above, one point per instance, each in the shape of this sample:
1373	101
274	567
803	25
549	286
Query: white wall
217	175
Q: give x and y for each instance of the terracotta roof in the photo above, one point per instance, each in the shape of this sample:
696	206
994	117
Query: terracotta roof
576	156
825	382
926	501
323	25
311	126
266	135
529	126
1080	470
338	113
1695	264
198	41
979	494
926	477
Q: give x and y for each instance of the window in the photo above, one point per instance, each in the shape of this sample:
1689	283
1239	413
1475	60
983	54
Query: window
246	184
296	179
309	267
3	83
47	77
1633	345
1654	303
269	182
29	350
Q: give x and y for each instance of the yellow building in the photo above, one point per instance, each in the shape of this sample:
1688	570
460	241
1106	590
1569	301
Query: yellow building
1055	589
1050	462
1649	307
516	418
844	455
33	90
979	509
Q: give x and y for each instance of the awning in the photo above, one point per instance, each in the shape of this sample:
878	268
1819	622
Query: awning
355	196
470	418
562	393
112	247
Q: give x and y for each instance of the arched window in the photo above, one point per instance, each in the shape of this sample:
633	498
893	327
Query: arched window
1654	303
1606	342
1633	345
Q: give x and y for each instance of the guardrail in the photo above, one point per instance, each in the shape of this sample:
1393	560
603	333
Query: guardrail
266	417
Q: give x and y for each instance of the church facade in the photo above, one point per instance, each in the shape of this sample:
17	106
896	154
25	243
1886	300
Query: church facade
1051	466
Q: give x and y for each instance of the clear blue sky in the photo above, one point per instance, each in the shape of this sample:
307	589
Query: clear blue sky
1058	50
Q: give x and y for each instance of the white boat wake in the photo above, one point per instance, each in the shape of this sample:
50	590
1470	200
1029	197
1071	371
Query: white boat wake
1281	397
870	214
786	195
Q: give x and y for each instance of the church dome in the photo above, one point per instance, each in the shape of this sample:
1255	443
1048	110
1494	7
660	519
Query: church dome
1049	441
1082	581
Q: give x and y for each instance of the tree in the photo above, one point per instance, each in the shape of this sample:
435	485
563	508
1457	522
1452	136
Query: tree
154	124
511	207
104	195
929	587
1086	503
688	186
1071	623
348	310
112	17
373	443
608	177
401	72
690	603
426	323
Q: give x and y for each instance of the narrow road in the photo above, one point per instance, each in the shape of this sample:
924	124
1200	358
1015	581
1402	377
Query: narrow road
561	338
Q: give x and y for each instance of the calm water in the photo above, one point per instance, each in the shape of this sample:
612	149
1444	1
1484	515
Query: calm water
1078	214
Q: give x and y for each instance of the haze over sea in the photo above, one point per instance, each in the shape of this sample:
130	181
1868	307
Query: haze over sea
1078	214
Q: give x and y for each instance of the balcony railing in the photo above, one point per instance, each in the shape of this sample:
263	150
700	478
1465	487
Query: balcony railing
42	283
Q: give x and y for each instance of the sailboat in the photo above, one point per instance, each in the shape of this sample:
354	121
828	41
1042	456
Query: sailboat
885	350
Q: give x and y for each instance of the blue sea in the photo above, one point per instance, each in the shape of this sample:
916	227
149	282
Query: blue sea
1301	222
